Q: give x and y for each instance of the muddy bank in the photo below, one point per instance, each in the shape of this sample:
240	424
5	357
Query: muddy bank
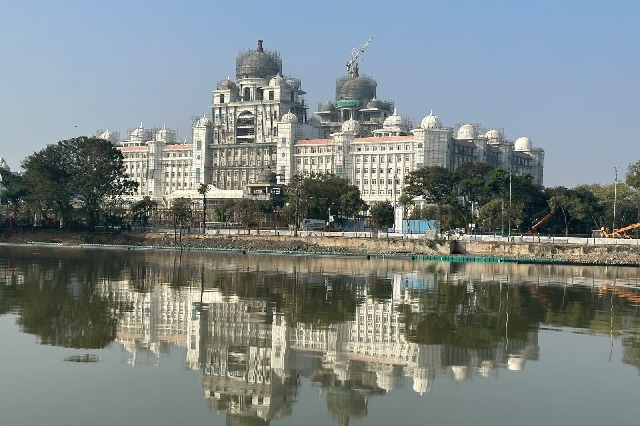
524	252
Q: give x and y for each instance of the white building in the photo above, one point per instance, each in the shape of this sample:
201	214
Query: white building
259	123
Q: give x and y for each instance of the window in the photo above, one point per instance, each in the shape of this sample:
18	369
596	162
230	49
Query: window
271	95
221	99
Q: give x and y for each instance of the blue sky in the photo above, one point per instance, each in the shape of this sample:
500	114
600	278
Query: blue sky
564	73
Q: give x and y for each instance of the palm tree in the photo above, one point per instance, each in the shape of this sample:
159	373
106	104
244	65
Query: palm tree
202	190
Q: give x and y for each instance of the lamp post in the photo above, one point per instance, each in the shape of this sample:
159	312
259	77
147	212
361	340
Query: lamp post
615	199
509	203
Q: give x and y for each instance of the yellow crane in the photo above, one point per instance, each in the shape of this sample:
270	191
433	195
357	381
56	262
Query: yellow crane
618	233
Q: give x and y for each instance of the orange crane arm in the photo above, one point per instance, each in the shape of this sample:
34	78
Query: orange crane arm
541	222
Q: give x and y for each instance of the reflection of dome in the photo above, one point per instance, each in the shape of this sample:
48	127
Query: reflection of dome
164	135
258	63
140	134
431	122
351	126
486	367
516	362
395	122
523	144
466	131
493	136
459	372
327	106
227	84
289	118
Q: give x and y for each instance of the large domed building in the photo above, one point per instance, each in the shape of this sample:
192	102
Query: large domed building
258	121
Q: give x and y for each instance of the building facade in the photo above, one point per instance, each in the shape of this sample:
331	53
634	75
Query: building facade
258	125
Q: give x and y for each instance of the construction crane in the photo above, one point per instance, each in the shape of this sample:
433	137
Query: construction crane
541	222
352	67
618	233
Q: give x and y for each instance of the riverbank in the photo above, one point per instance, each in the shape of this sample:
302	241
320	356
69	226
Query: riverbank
545	251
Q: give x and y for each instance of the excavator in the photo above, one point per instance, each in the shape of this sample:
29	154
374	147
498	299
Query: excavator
618	233
541	222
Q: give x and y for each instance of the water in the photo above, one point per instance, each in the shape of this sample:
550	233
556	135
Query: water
112	336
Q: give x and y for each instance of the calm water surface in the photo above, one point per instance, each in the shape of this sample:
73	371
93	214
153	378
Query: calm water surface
104	337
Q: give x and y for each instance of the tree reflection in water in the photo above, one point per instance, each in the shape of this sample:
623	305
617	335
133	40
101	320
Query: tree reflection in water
256	326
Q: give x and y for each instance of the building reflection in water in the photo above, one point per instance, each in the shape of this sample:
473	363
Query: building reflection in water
253	357
259	327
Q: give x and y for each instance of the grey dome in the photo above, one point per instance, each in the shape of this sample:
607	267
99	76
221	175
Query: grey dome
258	63
362	88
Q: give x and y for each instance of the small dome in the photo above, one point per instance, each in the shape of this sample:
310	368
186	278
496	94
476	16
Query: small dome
140	134
164	135
522	144
108	136
431	122
395	122
289	118
351	126
493	136
466	131
373	104
277	81
327	106
227	84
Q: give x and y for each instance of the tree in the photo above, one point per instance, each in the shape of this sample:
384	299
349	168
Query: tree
142	210
14	191
86	170
382	216
312	196
433	183
202	190
181	214
632	177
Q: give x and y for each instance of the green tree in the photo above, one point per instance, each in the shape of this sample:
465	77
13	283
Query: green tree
632	177
86	170
181	215
13	191
142	210
382	215
312	196
433	183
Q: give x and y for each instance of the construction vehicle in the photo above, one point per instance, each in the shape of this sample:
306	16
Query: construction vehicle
541	222
618	233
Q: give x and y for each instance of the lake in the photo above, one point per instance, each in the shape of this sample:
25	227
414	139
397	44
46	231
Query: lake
111	336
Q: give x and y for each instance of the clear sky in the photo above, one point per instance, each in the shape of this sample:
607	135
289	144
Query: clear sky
564	73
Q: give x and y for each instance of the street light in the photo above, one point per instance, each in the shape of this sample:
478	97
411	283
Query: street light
615	199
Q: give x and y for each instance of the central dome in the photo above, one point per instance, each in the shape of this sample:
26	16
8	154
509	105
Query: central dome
258	63
362	88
